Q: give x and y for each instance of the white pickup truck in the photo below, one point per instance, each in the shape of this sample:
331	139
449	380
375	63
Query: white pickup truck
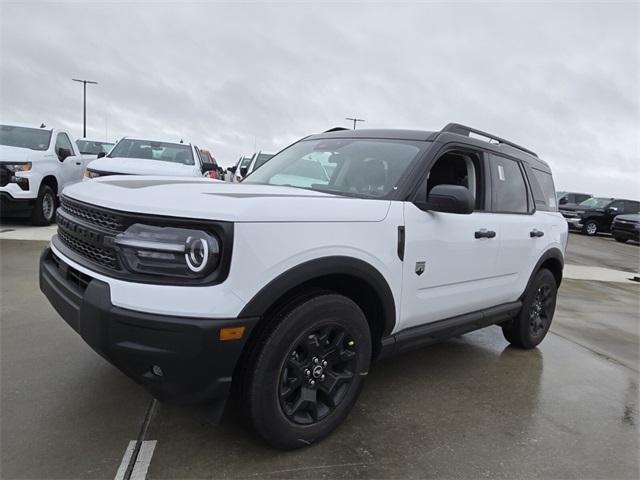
35	165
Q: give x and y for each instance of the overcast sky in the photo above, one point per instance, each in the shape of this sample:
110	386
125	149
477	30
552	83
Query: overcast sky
561	79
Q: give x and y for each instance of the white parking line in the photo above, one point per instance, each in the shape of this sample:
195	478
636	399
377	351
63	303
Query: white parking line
581	272
143	460
126	459
23	232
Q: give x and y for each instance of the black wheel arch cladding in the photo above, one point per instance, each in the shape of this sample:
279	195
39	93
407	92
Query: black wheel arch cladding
325	268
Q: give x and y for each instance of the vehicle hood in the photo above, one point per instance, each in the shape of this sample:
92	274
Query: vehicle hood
215	200
140	166
629	217
17	154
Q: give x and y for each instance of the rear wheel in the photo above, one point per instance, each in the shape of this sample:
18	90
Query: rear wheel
308	372
45	207
533	321
590	228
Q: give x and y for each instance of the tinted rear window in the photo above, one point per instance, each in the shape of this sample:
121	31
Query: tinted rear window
545	180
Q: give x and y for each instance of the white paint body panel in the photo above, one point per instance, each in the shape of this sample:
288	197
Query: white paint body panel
278	228
43	163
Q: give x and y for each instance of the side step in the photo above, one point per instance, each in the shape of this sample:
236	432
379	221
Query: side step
434	332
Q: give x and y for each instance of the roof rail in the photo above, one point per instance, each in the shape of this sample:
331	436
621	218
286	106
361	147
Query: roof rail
336	129
464	130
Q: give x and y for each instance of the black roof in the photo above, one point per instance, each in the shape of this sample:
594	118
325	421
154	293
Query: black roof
451	132
392	134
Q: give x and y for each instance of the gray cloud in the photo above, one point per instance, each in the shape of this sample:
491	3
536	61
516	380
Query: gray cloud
561	79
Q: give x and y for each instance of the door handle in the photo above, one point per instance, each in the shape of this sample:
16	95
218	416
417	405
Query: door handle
78	163
484	233
536	233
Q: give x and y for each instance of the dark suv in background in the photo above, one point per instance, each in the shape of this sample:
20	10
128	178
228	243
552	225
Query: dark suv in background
596	214
626	227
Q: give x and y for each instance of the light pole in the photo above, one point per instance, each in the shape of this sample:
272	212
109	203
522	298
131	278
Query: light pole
354	121
84	117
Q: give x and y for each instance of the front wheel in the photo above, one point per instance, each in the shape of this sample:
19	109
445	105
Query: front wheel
309	370
620	239
531	325
590	228
45	206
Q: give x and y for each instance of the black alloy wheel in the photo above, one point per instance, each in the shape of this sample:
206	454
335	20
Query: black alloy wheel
317	373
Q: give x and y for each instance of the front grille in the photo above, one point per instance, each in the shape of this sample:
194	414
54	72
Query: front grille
101	256
624	225
5	176
92	215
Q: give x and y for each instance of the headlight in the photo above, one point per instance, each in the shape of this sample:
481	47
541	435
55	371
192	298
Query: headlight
168	251
90	173
17	167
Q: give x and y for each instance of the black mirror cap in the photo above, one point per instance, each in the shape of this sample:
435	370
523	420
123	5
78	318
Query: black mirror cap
231	169
63	153
102	154
449	199
243	171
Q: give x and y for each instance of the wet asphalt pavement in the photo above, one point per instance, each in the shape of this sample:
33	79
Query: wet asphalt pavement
470	407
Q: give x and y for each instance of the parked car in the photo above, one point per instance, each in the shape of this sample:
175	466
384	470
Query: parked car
132	156
216	172
416	237
92	149
566	199
626	227
244	167
242	163
595	215
35	165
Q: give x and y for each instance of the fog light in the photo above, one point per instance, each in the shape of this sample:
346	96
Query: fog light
157	371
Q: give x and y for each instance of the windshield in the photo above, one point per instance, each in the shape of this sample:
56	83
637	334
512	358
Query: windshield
90	147
358	167
32	138
150	150
596	202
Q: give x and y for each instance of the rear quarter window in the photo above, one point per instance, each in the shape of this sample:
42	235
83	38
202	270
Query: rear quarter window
548	198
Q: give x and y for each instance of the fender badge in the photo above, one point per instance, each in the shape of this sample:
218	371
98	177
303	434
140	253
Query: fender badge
420	266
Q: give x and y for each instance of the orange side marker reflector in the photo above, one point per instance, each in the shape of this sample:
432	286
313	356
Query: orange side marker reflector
231	333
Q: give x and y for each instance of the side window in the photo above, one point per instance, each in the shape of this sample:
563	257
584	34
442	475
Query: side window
618	205
459	168
546	199
508	188
62	141
631	207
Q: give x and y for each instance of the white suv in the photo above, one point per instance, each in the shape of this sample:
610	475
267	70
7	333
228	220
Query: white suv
133	156
290	291
35	165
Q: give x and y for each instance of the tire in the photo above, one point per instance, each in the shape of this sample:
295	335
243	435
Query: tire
531	325
590	228
45	208
620	239
307	371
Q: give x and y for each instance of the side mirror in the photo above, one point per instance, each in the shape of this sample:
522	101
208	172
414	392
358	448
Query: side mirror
612	210
63	153
449	199
232	169
243	171
563	201
208	167
102	154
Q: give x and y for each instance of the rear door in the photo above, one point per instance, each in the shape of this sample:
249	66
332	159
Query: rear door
522	228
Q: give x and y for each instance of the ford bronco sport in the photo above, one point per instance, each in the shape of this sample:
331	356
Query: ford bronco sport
345	247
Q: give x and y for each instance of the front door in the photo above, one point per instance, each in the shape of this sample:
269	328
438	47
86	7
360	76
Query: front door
450	259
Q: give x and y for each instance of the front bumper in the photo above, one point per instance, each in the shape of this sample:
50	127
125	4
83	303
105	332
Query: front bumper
196	366
10	205
627	234
575	223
